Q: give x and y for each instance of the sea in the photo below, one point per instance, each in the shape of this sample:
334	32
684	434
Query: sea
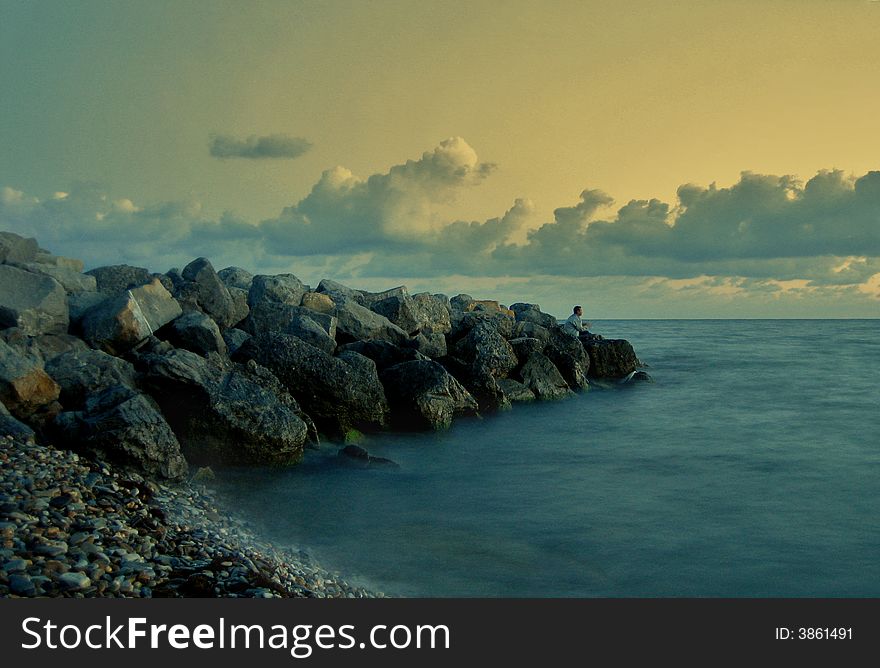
750	467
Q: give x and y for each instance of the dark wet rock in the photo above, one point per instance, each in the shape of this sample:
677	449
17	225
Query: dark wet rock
462	323
15	248
336	290
124	426
33	302
211	294
432	344
269	317
42	348
485	347
335	394
422	394
118	324
431	312
24	386
530	330
568	355
82	373
543	378
532	313
358	323
79	304
359	456
311	332
640	377
611	358
382	353
196	332
461	302
9	426
225	413
515	391
236	277
240	308
479	381
114	279
399	310
278	289
523	347
234	338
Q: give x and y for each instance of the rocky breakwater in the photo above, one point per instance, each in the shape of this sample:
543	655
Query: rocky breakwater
153	373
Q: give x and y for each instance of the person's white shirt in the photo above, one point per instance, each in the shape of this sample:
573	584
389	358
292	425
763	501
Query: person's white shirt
573	326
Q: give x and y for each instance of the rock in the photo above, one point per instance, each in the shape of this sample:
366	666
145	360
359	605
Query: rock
368	299
204	474
280	289
461	302
226	413
641	376
431	312
611	358
81	373
479	381
239	304
165	280
358	323
569	356
197	332
422	394
308	330
484	346
14	248
317	301
24	386
79	304
72	281
43	257
236	277
462	323
34	302
337	290
335	394
120	323
114	279
211	294
360	363
360	457
124	426
382	353
9	426
269	317
532	331
543	378
73	581
399	310
532	313
523	347
40	349
515	391
234	338
432	344
21	585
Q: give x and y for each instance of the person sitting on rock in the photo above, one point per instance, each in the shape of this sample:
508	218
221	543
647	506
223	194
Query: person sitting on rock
576	328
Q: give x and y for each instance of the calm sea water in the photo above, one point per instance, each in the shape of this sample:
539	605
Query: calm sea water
750	468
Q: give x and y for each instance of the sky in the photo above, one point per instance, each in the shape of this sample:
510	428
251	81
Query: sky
702	158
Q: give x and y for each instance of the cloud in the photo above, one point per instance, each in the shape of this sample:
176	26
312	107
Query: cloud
277	146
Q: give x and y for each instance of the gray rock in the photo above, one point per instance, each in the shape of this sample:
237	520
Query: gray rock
369	299
338	290
197	332
24	386
234	338
240	308
382	353
533	313
432	344
72	281
484	346
530	330
74	581
358	323
279	289
308	330
14	248
541	376
569	356
211	294
34	302
40	349
399	310
464	322
79	304
21	585
461	302
236	277
226	413
431	312
516	392
124	426
611	358
120	323
44	257
335	394
523	347
114	279
422	394
81	373
9	426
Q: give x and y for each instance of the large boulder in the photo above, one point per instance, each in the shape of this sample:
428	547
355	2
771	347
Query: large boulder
236	277
113	279
80	303
72	281
211	294
422	394
226	413
543	378
479	380
399	310
318	301
337	395
24	386
461	302
197	332
44	257
40	349
431	312
83	373
383	353
532	331
569	356
337	290
358	323
15	248
524	346
515	391
430	344
485	347
36	303
308	330
464	322
9	426
532	313
124	426
279	289
611	358
234	338
118	324
368	299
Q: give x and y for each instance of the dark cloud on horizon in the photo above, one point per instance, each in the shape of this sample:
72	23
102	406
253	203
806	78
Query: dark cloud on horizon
277	146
